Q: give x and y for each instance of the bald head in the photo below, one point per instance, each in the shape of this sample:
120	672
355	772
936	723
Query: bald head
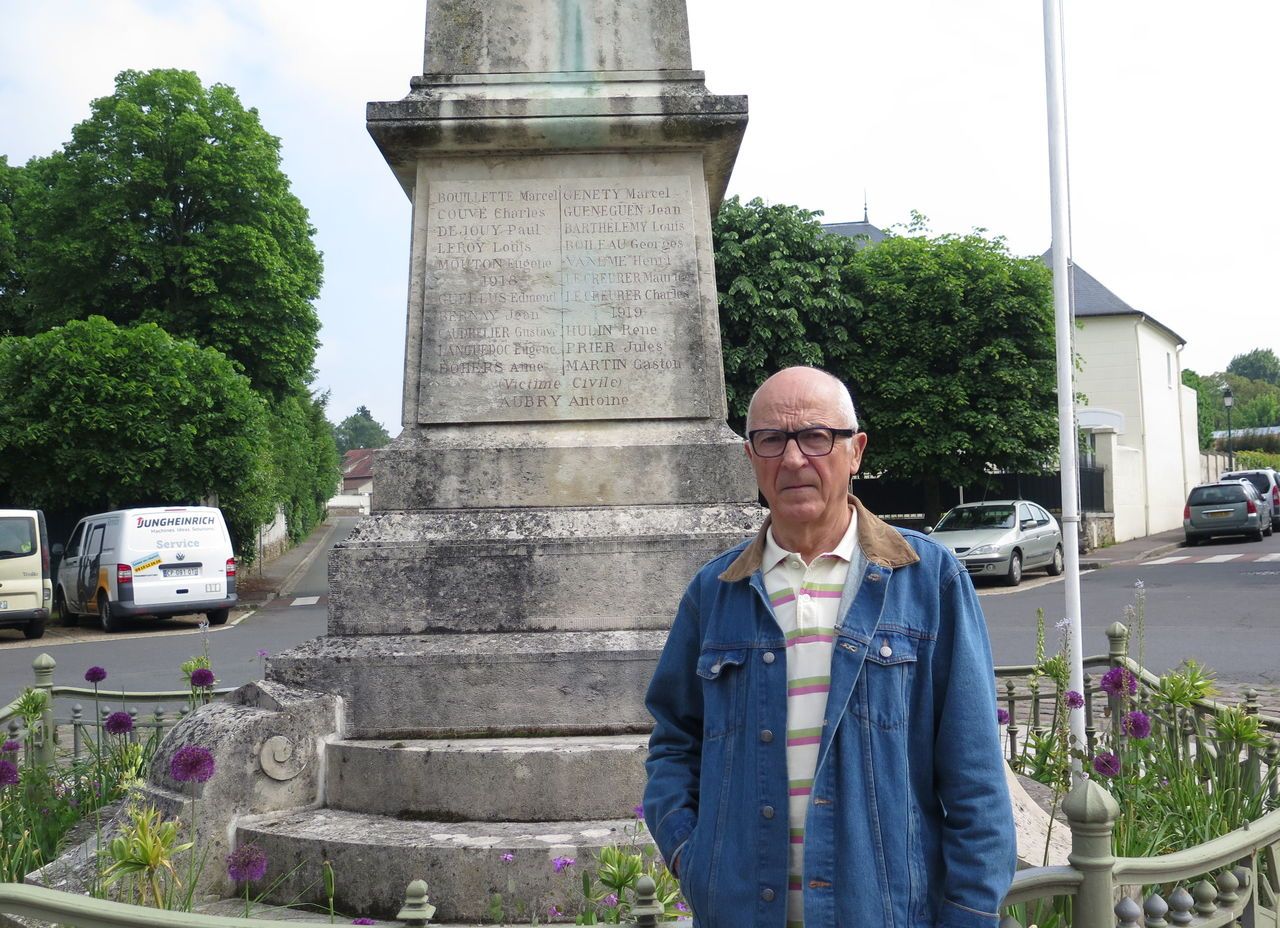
828	389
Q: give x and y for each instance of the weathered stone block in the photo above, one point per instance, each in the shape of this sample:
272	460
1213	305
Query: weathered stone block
504	684
376	857
479	570
489	779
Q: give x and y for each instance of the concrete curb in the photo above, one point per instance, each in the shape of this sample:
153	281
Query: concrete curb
286	585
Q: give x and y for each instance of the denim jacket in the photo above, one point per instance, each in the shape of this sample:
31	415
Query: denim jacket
909	823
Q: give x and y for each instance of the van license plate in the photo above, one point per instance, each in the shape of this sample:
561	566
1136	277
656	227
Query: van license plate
181	571
4	604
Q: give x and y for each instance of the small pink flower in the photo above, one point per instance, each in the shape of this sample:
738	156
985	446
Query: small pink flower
562	863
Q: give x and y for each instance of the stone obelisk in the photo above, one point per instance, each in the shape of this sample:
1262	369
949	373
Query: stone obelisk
564	466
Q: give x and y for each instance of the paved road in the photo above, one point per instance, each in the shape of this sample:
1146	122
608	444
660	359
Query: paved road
147	656
1218	603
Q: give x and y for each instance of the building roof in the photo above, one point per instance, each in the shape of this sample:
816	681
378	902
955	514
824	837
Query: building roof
357	464
869	233
1089	297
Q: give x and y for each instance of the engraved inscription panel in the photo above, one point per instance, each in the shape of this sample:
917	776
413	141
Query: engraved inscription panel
548	299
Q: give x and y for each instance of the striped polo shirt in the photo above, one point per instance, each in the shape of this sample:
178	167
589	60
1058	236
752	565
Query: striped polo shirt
805	600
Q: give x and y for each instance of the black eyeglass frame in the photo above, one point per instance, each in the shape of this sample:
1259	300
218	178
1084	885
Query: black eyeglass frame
788	436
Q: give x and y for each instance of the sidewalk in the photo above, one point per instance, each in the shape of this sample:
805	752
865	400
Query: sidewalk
1136	549
264	581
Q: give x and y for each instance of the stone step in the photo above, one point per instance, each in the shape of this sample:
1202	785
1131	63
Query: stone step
510	779
518	684
375	857
528	569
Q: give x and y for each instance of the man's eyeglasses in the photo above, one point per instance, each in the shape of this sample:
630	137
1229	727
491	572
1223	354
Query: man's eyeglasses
813	443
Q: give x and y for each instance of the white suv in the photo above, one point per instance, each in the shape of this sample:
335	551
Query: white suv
1267	484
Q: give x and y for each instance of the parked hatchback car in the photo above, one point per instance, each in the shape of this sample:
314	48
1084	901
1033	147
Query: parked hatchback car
1002	538
25	582
1267	483
1229	507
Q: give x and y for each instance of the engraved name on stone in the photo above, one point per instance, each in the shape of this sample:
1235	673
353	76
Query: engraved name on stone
561	299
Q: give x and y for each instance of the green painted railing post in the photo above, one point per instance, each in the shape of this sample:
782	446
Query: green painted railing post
1117	651
647	909
1092	812
43	667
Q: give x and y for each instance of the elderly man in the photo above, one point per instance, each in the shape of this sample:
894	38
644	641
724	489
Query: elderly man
825	750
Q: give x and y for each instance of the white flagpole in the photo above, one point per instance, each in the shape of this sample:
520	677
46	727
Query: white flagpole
1059	198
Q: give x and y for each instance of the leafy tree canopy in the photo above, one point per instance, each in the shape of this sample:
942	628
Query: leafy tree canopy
947	342
168	205
306	461
359	430
10	276
98	417
1259	364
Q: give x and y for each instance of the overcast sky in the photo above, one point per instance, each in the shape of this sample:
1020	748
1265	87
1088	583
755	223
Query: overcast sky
931	105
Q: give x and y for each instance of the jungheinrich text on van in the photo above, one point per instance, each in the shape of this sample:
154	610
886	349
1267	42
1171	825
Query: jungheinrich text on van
148	562
26	584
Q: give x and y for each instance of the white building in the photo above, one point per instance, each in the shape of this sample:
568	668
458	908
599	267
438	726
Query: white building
1138	419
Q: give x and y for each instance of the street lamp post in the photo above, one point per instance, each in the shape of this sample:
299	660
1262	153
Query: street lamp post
1229	400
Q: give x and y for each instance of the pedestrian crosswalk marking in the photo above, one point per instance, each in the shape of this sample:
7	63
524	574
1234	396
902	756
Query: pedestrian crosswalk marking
1169	560
1218	559
306	600
1270	557
1212	559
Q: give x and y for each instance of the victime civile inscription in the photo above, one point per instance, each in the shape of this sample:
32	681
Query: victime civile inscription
561	299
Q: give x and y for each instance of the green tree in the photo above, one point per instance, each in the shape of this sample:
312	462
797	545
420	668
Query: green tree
95	416
168	205
359	430
946	342
784	294
10	269
1208	399
1259	364
306	461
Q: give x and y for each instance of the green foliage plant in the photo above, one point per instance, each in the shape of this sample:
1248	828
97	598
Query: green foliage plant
142	857
360	430
100	417
1258	364
168	206
1257	460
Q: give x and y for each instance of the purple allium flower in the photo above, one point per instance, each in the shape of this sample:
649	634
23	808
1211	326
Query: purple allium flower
508	857
202	676
1002	716
560	863
1137	725
680	906
1107	764
1117	680
363	921
247	864
118	723
263	652
639	811
610	900
553	911
191	763
8	774
11	747
1074	700
95	674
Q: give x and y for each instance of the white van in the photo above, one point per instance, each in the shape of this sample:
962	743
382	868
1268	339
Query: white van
133	562
25	582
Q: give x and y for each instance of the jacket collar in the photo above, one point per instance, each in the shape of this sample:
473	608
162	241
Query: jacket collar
880	543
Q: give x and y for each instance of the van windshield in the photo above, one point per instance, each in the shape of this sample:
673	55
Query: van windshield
17	536
1259	481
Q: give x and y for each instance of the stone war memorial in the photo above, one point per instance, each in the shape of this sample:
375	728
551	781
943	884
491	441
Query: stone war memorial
476	708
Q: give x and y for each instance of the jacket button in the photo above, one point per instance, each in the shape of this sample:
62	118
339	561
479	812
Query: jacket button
886	651
766	895
767	811
766	736
768	657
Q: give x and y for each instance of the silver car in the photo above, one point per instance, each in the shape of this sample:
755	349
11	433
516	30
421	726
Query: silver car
1002	538
1230	507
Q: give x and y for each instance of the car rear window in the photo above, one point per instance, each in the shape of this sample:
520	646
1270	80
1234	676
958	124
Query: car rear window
1260	481
17	536
1203	496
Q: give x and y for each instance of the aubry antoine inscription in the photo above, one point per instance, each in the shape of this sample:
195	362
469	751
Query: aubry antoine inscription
560	299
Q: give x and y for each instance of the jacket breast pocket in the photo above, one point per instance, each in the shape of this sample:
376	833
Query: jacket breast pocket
883	693
723	673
